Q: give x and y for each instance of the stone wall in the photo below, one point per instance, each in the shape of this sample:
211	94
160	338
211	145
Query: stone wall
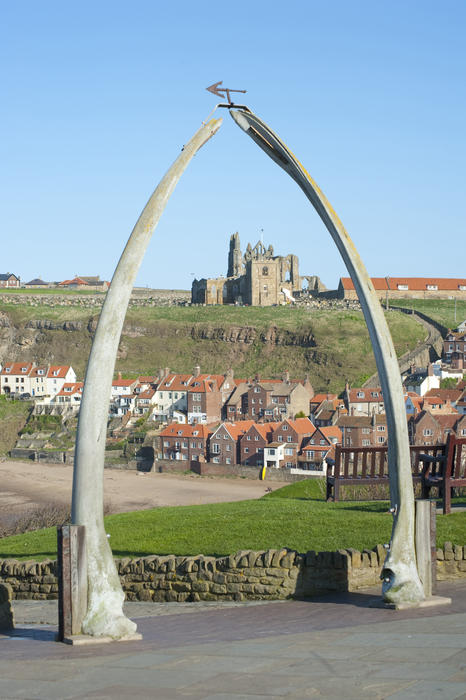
247	575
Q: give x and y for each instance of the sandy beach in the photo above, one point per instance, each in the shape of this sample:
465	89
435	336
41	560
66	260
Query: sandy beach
27	484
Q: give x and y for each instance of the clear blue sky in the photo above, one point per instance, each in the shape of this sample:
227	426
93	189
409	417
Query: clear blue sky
99	97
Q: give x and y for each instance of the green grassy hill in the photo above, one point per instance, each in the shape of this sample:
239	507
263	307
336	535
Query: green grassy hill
295	516
329	345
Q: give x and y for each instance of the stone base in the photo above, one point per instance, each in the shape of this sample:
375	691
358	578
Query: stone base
84	639
427	603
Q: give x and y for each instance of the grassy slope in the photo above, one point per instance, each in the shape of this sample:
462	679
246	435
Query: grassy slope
441	310
161	337
294	516
13	416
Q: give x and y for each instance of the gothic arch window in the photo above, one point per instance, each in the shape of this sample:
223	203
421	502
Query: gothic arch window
265	270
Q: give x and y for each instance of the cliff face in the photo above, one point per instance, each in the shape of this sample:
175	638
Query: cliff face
329	346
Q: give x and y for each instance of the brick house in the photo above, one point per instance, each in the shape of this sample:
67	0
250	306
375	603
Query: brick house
204	398
429	429
224	442
287	439
269	400
184	442
253	443
319	446
363	431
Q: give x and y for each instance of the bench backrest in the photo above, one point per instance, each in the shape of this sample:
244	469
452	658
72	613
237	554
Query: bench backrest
372	462
456	458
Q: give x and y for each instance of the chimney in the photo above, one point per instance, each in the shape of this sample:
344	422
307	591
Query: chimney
430	370
286	377
196	371
229	374
160	374
119	375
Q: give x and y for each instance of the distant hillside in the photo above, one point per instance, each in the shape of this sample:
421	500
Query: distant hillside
329	345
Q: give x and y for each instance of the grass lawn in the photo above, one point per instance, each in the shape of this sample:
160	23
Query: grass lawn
441	310
294	516
13	416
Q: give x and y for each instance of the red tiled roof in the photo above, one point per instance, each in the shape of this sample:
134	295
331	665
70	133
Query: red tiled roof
16	368
413	283
187	430
354	398
123	382
60	370
71	388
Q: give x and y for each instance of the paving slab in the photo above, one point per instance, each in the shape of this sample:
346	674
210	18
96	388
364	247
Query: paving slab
329	647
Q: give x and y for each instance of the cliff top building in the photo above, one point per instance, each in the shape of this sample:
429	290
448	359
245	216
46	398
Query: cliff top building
257	278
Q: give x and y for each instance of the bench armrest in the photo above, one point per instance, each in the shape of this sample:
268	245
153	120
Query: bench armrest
428	461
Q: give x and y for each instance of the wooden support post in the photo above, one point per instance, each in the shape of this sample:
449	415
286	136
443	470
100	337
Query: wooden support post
424	535
72	580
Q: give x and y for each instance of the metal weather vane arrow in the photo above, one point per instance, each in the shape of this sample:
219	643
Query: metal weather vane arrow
222	92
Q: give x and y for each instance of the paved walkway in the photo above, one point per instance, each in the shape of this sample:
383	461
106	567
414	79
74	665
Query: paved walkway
329	647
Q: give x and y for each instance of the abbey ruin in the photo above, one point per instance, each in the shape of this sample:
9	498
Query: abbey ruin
257	278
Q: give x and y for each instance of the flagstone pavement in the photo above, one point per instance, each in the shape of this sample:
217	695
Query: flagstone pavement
333	646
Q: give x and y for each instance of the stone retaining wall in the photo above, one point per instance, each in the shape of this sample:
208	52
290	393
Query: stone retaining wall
247	575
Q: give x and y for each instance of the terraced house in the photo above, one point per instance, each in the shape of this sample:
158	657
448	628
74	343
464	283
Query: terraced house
183	442
269	399
225	442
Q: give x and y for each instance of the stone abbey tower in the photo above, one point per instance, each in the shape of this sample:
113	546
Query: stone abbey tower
257	278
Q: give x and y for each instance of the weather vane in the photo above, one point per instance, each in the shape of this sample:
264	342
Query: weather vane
222	92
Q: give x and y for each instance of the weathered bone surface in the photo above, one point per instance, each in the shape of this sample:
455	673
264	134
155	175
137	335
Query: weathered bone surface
401	583
104	615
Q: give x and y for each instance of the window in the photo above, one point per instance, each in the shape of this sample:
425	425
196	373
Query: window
193	445
176	395
360	395
166	443
366	431
216	460
432	287
268	413
231	408
310	454
279	438
225	437
289	438
289	464
366	443
285	427
185	444
462	287
289	451
427	431
228	448
215	448
265	271
246	450
253	411
272	451
322	442
402	287
196	397
381	428
256	389
381	439
228	460
195	432
374	394
256	438
274	400
248	437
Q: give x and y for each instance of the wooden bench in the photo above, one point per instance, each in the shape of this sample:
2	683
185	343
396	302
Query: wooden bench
444	471
367	466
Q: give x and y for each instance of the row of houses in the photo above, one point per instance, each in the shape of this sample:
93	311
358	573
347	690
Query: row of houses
10	280
36	381
290	444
